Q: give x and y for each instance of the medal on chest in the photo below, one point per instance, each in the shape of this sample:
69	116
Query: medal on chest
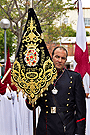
54	90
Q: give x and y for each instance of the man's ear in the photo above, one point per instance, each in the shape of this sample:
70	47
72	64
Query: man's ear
66	60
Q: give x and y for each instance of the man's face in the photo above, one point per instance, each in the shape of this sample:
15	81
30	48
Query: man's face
59	58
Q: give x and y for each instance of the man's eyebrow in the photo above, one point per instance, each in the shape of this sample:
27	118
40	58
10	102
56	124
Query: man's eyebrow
60	56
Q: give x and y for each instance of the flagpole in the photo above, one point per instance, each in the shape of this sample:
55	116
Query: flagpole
4	77
31	3
34	122
34	111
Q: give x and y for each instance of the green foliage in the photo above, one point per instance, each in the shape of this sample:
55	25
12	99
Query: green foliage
87	33
9	42
53	33
48	14
67	31
46	10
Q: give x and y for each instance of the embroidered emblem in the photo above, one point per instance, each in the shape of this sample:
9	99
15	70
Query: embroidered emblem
31	57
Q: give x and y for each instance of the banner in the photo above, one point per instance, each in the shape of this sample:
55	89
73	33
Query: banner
33	70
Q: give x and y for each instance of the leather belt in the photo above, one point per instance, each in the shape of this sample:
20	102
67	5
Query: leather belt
59	109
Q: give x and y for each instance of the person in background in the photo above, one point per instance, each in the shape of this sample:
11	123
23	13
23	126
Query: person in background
63	106
3	88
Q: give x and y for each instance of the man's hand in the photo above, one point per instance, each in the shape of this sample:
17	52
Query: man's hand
9	87
87	95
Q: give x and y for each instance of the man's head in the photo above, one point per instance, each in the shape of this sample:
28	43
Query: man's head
59	57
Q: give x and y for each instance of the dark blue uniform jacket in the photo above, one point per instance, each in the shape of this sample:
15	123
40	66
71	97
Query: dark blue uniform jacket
70	99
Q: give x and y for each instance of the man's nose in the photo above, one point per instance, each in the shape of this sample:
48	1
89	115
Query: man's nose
60	59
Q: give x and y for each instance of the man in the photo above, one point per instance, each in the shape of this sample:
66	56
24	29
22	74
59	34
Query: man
63	108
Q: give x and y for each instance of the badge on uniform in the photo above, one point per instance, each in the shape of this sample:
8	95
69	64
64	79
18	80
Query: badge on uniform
53	109
54	91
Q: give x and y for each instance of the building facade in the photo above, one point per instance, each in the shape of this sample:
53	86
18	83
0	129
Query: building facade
71	17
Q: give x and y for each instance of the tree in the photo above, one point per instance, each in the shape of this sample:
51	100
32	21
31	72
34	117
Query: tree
54	33
46	10
9	42
67	31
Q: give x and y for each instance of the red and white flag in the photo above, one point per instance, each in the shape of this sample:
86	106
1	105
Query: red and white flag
81	50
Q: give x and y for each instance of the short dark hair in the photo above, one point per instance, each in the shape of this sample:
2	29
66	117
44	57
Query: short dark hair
61	47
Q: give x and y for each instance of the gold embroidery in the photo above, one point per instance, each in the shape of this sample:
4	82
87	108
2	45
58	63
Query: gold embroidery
26	75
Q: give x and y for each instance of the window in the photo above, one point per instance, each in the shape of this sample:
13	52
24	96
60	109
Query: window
65	20
87	21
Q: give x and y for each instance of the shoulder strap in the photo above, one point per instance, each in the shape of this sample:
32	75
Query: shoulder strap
61	114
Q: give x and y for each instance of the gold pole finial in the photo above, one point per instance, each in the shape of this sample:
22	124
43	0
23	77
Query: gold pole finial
1	65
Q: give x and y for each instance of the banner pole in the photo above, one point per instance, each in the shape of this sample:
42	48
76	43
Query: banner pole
34	111
34	122
31	3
